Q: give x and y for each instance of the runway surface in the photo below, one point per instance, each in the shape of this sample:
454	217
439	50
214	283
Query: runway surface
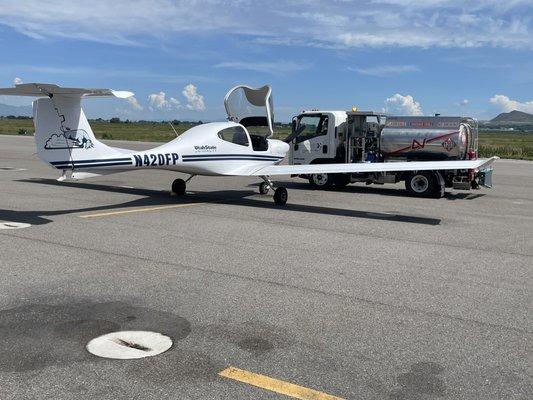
364	293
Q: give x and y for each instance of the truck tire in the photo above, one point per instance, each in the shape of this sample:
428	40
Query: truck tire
425	184
321	181
341	180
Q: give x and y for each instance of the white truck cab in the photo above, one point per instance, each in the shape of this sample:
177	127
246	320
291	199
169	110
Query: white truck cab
316	136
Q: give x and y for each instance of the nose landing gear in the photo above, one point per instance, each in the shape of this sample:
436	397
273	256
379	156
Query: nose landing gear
264	187
281	196
280	193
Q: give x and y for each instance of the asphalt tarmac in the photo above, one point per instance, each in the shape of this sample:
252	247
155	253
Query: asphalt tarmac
364	293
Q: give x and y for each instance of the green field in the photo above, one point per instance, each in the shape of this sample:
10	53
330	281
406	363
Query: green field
506	144
491	143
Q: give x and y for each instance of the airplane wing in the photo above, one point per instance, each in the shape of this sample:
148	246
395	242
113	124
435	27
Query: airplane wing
372	167
46	89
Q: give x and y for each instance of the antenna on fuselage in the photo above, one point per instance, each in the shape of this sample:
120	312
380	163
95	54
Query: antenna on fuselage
172	126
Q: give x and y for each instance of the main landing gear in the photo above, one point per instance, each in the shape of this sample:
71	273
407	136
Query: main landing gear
280	193
179	186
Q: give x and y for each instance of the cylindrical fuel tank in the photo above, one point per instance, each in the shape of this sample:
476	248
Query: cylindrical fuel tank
428	138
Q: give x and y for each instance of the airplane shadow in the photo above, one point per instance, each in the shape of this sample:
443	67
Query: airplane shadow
153	198
375	189
229	197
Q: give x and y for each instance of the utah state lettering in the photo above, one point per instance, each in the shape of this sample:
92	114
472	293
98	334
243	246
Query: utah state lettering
148	160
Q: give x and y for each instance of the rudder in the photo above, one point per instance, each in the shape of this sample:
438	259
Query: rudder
63	136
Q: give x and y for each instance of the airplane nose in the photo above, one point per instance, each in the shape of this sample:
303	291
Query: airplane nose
280	147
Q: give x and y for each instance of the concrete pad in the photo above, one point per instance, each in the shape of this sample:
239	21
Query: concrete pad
361	293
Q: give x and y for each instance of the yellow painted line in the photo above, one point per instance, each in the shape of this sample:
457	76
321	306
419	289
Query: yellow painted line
137	210
275	385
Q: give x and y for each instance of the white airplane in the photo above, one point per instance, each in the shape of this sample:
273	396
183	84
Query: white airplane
66	142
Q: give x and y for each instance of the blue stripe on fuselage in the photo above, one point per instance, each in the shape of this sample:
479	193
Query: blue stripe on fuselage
99	160
92	165
230	159
229	155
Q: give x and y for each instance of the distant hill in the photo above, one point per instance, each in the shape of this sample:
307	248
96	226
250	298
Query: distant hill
17	111
513	116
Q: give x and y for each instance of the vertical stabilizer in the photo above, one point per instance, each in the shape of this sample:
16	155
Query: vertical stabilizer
64	138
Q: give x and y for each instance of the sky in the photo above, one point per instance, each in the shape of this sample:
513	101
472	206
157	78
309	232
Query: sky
415	57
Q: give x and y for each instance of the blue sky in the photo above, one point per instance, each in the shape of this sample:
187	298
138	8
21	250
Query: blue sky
180	57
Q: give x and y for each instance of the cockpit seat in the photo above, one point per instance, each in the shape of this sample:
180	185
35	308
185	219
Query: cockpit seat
259	143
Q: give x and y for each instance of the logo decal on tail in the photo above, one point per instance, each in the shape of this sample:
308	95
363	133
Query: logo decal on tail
72	139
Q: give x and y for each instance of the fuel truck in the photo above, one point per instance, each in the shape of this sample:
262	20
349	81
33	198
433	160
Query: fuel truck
319	137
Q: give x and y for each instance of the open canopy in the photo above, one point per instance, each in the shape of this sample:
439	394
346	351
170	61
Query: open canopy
250	107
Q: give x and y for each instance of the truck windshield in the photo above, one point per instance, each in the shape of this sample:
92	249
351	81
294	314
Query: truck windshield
311	126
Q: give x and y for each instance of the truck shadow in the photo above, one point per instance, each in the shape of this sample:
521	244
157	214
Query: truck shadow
160	198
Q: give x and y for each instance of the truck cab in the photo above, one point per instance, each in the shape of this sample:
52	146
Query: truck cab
322	137
314	137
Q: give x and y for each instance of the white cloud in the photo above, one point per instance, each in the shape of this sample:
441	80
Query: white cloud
17	81
406	105
461	103
134	103
505	104
321	23
195	101
158	101
278	67
386	70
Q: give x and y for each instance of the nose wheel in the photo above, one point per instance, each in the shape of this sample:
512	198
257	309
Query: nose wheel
281	196
280	193
264	187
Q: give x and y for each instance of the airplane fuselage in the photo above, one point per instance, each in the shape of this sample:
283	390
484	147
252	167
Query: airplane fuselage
201	150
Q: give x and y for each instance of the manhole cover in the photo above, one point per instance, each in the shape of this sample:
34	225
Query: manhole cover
13	225
126	345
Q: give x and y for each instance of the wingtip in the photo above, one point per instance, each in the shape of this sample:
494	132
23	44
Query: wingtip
122	94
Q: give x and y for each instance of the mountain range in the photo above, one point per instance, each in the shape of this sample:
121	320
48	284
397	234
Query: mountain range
513	116
17	111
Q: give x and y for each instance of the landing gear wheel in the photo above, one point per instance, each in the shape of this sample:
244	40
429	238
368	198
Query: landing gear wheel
281	196
264	188
179	186
425	184
321	181
341	180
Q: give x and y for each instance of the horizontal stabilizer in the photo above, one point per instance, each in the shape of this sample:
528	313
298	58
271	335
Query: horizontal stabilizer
46	89
373	167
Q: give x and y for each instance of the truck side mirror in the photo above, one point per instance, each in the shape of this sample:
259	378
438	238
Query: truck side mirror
294	124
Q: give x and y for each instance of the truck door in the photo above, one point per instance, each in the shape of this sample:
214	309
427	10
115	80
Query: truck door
312	140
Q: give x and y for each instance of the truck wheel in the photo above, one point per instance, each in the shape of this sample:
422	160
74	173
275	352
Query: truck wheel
341	180
425	184
321	181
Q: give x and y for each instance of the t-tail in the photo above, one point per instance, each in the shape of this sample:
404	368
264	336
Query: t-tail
63	137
